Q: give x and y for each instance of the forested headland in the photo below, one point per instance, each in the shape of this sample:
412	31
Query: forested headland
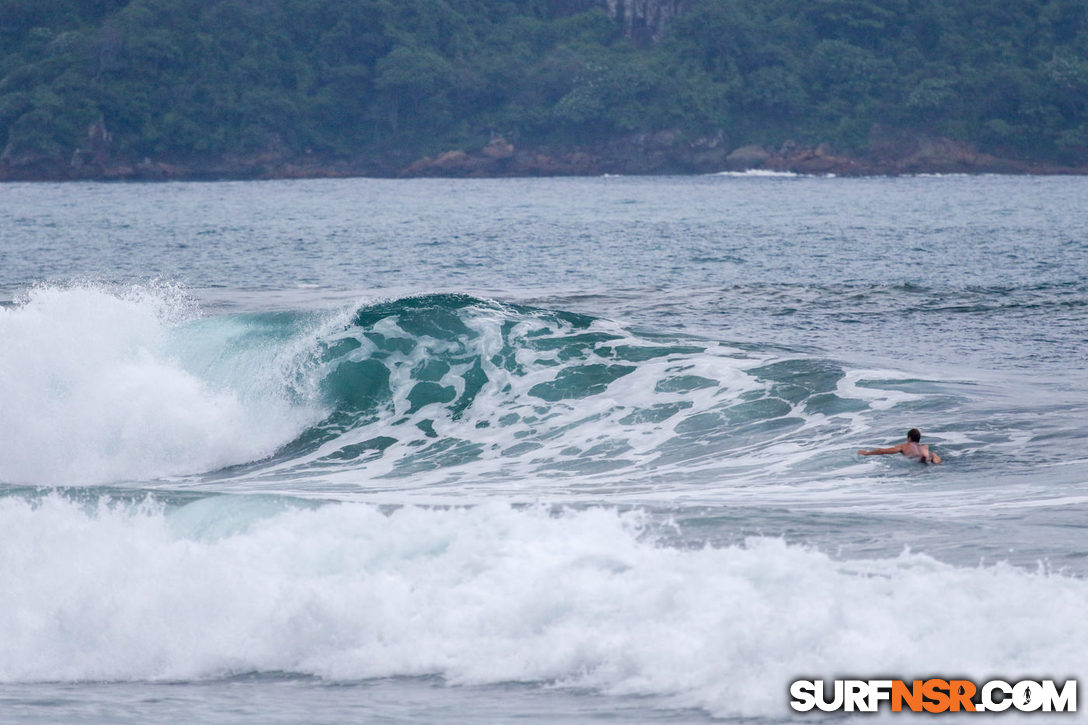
250	88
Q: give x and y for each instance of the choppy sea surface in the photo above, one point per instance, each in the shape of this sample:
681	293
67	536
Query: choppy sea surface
559	450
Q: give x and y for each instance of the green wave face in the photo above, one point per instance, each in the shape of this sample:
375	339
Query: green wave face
440	386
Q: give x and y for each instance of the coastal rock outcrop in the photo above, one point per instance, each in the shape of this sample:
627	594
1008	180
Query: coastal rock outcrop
747	157
666	151
659	152
905	152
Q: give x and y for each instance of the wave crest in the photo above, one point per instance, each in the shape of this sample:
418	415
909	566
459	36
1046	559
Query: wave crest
103	387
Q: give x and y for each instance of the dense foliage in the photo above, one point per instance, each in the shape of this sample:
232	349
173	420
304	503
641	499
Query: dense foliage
199	78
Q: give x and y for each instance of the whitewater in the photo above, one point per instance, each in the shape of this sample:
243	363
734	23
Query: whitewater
552	450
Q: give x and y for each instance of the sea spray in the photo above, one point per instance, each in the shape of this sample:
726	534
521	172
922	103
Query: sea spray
93	392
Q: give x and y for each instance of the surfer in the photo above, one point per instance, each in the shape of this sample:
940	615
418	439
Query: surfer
911	449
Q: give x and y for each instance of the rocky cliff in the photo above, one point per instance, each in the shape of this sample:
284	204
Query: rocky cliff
644	21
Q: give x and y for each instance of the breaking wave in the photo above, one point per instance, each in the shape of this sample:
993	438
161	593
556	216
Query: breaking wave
103	385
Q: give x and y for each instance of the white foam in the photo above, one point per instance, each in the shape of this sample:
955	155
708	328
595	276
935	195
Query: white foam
877	398
93	391
759	173
493	594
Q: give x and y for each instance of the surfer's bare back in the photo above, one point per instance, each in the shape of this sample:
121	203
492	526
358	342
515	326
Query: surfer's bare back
911	449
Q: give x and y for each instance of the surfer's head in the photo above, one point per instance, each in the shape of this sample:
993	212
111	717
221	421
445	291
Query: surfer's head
914	435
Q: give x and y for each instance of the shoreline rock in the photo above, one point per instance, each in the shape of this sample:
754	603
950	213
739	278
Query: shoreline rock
892	152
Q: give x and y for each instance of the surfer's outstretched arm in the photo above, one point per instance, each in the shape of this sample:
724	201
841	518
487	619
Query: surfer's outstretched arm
882	451
934	458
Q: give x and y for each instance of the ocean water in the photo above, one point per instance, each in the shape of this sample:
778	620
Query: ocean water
556	450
